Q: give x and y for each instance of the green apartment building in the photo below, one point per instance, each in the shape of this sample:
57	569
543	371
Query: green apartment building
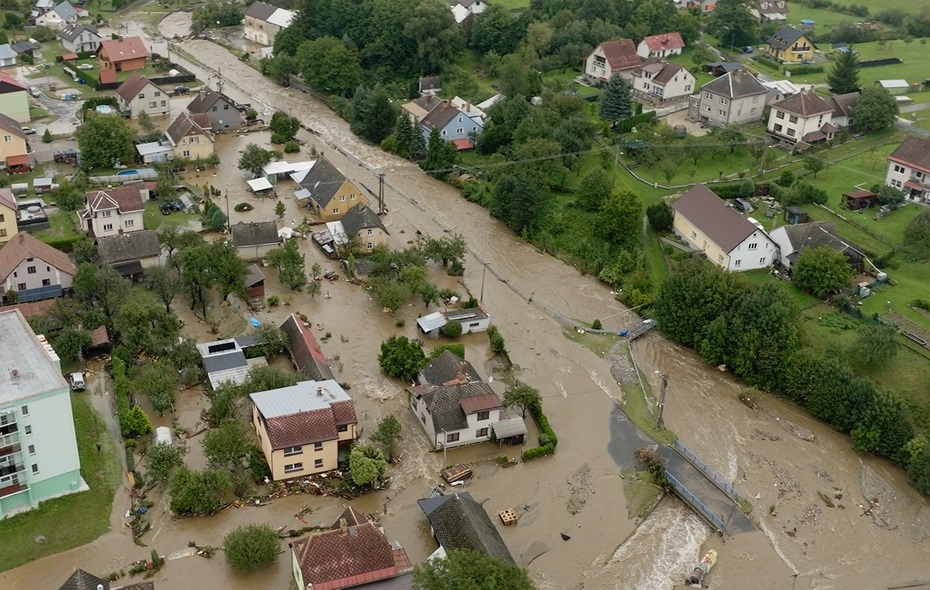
38	450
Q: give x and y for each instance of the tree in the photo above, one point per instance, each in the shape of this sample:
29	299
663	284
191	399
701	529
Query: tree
224	447
733	23
72	343
814	164
251	546
373	115
877	109
196	264
367	464
821	271
620	219
328	65
198	493
844	75
889	195
161	460
101	288
142	326
919	467
279	209
165	283
428	293
466	568
917	235
517	200
281	67
270	339
387	435
440	155
229	270
224	405
594	189
283	127
615	102
875	345
135	423
159	382
216	14
408	139
290	264
436	34
660	216
496	31
522	396
254	158
47	136
388	293
401	358
452	329
105	141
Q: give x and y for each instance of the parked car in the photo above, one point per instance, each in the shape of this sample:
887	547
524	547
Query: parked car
35	91
29	130
181	89
77	382
747	49
174	206
85	67
165	209
742	205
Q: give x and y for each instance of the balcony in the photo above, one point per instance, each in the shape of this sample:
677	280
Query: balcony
11	479
923	181
9	441
11	489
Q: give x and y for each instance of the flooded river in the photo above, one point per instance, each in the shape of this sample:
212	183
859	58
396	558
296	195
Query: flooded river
780	473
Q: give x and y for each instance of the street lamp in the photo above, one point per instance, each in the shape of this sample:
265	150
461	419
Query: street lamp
664	378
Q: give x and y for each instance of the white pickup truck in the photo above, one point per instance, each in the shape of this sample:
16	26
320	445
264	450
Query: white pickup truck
77	382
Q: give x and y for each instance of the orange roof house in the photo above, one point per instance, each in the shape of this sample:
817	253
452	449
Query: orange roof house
122	55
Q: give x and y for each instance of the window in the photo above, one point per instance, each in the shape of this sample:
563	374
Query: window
793	119
7	138
481	433
737	263
293	467
422	418
214	109
370	246
370	232
919	175
752	111
225	107
2	218
694	234
707	108
342	198
157	93
753	246
48	268
194	139
291	451
153	104
452	437
482	416
474	324
791	132
107	227
31	270
707	95
762	261
896	183
778	128
459	131
318	463
24	410
35	469
443	133
28	429
720	257
129	222
688	88
899	169
342	428
2	233
755	99
106	213
722	113
46	283
32	449
21	286
724	101
352	197
142	95
317	447
163	103
186	153
336	211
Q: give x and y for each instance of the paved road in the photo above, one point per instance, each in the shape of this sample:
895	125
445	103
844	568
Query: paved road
904	124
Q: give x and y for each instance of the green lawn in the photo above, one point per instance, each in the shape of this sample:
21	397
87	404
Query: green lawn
514	4
60	225
153	218
74	520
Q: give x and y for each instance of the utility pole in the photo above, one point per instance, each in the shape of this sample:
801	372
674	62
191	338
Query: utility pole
381	194
228	218
484	271
664	378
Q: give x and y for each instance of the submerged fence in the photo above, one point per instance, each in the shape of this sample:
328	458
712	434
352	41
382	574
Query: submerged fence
712	475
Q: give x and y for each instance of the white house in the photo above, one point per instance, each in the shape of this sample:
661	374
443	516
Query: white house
611	57
78	38
263	22
662	82
462	9
7	56
114	211
732	99
792	239
33	269
909	169
139	94
728	239
664	45
770	10
801	117
58	17
475	319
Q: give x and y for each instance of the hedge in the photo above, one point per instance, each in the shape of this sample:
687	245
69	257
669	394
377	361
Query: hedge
767	61
627	125
799	70
545	429
65	244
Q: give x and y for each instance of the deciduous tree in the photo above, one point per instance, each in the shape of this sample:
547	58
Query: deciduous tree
595	187
733	23
254	158
660	216
328	65
165	283
875	345
290	264
161	460
251	546
388	435
367	464
159	382
620	220
373	116
522	396
917	235
401	358
475	570
822	271
876	109
436	34
224	447
105	141
198	493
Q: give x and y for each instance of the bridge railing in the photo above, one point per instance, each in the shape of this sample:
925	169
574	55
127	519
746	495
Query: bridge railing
712	475
695	503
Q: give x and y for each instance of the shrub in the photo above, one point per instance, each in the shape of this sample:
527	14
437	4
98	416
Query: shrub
786	179
401	357
547	438
198	492
251	546
452	329
596	325
800	70
241	207
291	147
496	340
273	301
457	349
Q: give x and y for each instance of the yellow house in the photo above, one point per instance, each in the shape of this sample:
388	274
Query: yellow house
790	45
364	225
14	151
8	215
190	136
326	191
301	428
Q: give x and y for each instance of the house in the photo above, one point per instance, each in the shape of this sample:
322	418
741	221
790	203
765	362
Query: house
224	362
78	38
768	11
138	95
39	458
190	136
469	110
659	46
281	169
719	68
254	240
9	215
611	57
326	191
843	106
364	225
702	6
859	199
453	125
418	109
14	98
454	406
34	269
801	117
430	85
462	9
81	580
113	211
894	87
792	239
122	55
7	56
223	112
25	48
457	521
255	282
728	239
909	169
790	45
130	253
264	21
732	99
662	82
301	428
153	152
475	319
305	351
58	17
355	551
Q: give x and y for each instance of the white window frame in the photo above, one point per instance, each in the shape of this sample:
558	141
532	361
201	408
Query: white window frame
293	468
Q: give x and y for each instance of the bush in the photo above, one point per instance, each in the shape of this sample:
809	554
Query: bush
456	349
251	546
291	147
241	207
496	340
198	492
452	329
786	179
273	301
401	357
547	438
801	70
767	61
596	325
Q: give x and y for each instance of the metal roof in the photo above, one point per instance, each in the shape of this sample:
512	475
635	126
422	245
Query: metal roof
302	397
431	322
509	427
36	365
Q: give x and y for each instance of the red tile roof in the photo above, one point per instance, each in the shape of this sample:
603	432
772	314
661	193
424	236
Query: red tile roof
344	558
119	50
20	160
7	199
31	308
620	54
8	79
305	350
129	89
913	152
480	403
805	104
344	413
125	199
462	144
23	246
664	42
301	429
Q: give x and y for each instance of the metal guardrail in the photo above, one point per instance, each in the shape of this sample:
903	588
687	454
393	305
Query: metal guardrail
712	475
695	503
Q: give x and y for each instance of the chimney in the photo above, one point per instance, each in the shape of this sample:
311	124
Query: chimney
14	374
319	391
22	238
463	372
468	106
343	526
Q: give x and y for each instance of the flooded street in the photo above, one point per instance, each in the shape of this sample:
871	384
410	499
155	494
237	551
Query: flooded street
758	450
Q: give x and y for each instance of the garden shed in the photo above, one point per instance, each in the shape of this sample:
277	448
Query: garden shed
859	199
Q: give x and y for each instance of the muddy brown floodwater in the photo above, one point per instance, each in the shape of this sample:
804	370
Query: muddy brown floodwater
578	491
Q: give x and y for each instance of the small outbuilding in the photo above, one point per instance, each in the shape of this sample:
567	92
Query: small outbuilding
255	282
795	215
859	199
894	86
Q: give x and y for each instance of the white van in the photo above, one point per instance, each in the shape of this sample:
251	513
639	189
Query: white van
77	382
35	92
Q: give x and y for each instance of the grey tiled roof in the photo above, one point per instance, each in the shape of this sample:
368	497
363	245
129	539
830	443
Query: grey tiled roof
81	580
323	181
444	404
360	217
255	233
735	84
129	246
785	37
461	523
445	368
260	11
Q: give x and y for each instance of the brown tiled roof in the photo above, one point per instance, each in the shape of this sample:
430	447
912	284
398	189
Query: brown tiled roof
205	99
914	152
711	215
664	41
31	308
81	580
344	413
129	89
126	199
843	104
300	429
11	125
23	246
805	104
662	72
305	350
620	54
351	518
254	277
188	124
7	199
124	49
480	403
440	116
344	558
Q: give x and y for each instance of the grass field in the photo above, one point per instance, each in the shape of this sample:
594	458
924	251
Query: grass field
74	520
60	225
152	218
